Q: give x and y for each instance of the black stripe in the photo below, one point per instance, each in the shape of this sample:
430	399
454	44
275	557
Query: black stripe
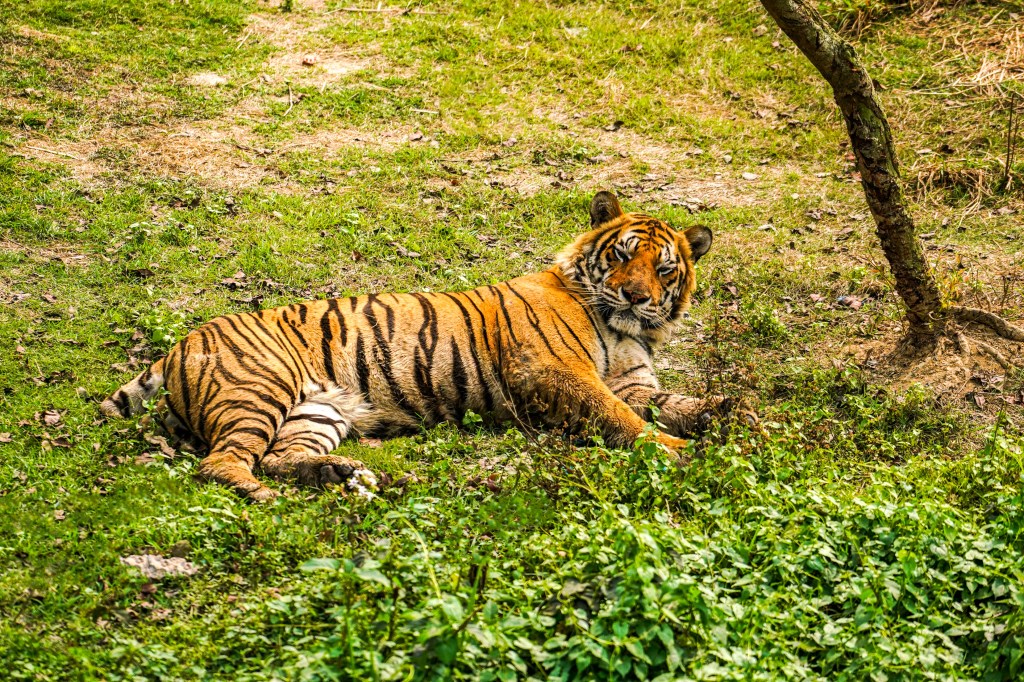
568	328
488	399
185	390
382	356
303	311
120	400
325	341
282	342
423	356
459	377
257	348
362	368
533	319
294	330
314	418
504	311
634	384
585	307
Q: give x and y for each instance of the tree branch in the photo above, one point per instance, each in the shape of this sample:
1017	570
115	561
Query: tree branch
872	144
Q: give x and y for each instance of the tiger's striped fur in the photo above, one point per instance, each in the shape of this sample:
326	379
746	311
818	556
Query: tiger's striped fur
281	388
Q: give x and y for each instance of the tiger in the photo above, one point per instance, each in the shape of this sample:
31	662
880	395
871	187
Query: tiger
279	389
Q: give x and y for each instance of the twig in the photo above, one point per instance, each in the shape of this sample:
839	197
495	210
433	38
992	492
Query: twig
50	151
1012	127
425	111
385	10
291	103
244	38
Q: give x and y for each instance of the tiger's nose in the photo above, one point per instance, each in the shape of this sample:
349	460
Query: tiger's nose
635	297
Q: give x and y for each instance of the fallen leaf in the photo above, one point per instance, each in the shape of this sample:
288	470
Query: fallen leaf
5	437
49	298
59	514
50	417
156	567
371	442
165	448
854	302
404	252
760	30
613	126
141	273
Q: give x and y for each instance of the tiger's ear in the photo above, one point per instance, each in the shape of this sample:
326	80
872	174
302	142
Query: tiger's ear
699	238
603	208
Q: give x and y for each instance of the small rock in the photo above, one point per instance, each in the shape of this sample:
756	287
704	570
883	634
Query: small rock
749	176
155	567
727	158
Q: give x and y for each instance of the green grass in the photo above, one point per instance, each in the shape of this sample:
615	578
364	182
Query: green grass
859	532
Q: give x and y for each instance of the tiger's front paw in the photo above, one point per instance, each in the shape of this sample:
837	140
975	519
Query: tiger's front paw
262	494
676	446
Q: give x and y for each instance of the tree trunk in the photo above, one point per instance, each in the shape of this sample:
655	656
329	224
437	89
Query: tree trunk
871	141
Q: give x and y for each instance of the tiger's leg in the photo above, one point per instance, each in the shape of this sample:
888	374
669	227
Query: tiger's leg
312	430
681	415
578	394
233	454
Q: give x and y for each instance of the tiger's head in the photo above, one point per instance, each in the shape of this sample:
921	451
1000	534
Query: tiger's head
636	271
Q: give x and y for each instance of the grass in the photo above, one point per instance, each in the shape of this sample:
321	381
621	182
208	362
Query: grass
862	531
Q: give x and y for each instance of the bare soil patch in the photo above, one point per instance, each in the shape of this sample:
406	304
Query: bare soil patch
215	152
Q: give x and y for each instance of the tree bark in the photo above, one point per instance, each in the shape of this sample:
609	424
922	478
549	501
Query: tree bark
871	141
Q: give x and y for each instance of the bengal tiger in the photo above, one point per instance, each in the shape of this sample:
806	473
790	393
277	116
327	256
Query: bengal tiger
280	389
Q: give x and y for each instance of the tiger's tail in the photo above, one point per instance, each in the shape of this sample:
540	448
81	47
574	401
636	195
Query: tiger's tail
129	399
